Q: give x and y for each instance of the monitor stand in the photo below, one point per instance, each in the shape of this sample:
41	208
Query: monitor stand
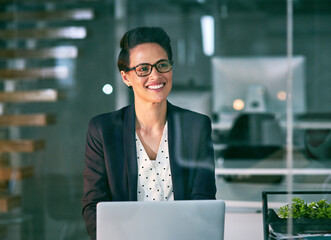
255	98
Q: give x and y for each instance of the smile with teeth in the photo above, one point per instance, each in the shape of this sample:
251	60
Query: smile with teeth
156	86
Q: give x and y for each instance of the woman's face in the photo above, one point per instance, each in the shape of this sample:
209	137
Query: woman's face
155	87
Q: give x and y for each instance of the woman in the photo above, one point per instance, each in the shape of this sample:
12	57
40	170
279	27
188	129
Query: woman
151	150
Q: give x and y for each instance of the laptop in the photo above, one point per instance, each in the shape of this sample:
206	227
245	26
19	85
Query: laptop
164	220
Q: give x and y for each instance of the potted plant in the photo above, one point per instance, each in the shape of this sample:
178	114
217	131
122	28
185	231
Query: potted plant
313	217
306	218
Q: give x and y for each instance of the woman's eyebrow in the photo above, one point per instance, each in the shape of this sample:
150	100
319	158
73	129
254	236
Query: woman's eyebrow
154	63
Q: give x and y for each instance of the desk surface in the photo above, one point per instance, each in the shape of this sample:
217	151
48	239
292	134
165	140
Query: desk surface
301	124
271	171
247	197
273	166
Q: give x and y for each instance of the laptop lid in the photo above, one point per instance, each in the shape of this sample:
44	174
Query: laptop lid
164	220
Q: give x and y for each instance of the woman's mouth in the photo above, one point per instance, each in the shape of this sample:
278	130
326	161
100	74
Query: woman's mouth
154	87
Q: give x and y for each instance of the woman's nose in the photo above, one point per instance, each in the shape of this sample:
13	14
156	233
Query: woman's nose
154	71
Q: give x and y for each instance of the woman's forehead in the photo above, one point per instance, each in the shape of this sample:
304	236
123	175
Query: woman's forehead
147	53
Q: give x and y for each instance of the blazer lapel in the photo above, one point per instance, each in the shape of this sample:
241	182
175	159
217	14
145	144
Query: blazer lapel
129	143
174	145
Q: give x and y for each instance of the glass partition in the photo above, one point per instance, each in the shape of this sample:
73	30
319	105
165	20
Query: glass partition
259	69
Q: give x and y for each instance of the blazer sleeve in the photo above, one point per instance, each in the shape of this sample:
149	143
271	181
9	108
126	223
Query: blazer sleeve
96	187
204	186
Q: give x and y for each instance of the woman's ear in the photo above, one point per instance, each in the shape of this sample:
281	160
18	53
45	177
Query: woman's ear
125	78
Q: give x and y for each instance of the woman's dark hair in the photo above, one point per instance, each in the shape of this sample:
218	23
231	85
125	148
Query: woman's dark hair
138	36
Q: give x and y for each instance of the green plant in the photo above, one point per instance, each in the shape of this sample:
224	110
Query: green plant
300	209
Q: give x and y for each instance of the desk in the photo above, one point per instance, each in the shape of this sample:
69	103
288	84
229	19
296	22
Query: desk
243	226
303	124
307	175
271	172
275	165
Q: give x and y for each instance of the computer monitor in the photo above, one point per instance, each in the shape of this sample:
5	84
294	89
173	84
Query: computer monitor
256	84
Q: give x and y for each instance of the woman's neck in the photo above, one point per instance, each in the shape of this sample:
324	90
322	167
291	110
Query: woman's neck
150	116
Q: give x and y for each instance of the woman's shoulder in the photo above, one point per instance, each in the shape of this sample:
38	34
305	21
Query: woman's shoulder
113	117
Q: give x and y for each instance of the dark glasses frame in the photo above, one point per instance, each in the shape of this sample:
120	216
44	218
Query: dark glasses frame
171	62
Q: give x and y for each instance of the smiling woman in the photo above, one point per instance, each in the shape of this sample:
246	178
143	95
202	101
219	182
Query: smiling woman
151	150
151	79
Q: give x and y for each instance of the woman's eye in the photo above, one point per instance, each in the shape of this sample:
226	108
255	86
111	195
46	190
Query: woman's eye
143	69
163	65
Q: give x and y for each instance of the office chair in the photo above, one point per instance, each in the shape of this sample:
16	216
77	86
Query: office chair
253	137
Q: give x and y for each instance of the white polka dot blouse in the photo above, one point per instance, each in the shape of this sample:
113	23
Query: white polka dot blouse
154	176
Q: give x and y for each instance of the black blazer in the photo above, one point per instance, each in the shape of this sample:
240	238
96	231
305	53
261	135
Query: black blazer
110	172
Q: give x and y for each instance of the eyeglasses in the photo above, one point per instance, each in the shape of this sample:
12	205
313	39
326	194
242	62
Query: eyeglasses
144	69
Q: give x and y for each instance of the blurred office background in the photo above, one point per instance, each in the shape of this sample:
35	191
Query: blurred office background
260	69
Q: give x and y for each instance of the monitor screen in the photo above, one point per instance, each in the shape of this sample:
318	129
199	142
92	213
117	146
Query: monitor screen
246	84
